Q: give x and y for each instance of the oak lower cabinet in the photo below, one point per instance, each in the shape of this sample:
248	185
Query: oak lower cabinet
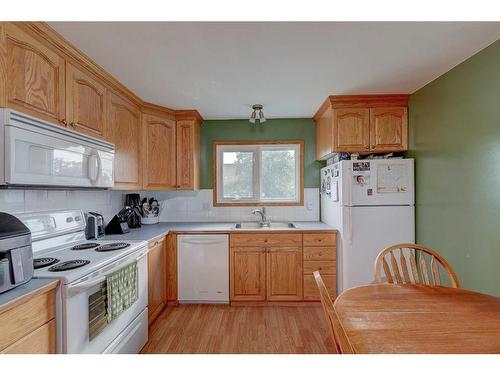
265	267
362	124
320	255
247	268
85	102
28	326
157	278
284	274
124	131
31	75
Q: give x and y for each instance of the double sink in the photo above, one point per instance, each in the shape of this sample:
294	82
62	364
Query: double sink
272	225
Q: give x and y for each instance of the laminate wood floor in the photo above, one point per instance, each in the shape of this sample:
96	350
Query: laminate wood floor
240	329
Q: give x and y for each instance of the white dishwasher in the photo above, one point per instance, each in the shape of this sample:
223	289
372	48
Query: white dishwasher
203	268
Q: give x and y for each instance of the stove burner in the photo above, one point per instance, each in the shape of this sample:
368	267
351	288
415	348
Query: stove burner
69	265
44	262
112	246
85	246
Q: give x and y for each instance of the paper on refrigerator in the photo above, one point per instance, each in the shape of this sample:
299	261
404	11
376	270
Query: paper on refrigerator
392	178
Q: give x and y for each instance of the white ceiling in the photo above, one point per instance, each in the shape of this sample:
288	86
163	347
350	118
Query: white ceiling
221	69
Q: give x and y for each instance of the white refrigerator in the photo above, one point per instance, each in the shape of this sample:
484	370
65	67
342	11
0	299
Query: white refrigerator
371	203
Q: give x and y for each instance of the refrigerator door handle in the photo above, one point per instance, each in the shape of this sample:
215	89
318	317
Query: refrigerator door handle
350	226
349	203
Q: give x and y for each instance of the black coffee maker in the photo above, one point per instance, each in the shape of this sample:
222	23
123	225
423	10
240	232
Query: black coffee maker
133	201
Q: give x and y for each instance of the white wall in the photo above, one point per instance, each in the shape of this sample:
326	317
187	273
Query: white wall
176	205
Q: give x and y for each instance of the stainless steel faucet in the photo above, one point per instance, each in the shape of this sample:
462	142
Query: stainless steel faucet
264	221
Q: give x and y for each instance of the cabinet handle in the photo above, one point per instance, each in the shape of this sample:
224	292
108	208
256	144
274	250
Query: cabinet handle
319	239
64	122
265	240
319	268
367	147
72	124
263	251
320	253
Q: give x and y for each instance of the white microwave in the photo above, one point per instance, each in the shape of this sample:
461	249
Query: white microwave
37	153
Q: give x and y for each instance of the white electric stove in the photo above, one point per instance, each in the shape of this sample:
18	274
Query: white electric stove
60	251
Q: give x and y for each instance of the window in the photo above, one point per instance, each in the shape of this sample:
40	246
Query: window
258	173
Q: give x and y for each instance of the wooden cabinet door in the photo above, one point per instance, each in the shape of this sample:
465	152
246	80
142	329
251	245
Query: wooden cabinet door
35	76
85	102
187	154
124	130
159	153
324	135
351	129
284	274
247	274
157	282
389	129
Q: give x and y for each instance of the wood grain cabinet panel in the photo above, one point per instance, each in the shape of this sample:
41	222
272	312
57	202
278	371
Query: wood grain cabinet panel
35	76
157	281
311	291
389	128
159	153
324	135
85	102
188	139
124	130
284	274
266	240
40	341
319	253
25	318
351	129
320	239
247	280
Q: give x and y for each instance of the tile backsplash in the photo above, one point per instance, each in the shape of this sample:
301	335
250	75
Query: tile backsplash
104	202
197	206
176	205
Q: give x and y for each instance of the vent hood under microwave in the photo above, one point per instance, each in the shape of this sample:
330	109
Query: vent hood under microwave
37	153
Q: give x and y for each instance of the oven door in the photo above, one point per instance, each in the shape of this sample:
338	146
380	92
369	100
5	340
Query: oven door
85	326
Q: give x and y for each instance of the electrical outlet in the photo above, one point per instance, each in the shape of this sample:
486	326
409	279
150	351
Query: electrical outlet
309	206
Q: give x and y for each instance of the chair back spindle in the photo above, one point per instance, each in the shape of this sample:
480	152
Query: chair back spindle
412	267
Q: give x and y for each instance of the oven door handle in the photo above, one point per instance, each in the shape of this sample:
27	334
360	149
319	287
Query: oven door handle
85	285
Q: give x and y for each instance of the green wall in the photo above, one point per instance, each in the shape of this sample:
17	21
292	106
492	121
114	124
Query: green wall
276	129
455	139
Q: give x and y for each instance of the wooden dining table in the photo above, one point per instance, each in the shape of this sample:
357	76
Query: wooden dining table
392	318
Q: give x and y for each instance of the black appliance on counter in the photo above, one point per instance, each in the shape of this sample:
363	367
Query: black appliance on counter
134	202
119	223
95	226
16	254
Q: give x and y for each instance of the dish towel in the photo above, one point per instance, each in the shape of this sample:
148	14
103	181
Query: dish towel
122	291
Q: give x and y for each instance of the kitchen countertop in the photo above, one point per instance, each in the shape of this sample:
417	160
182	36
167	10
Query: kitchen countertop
23	292
149	232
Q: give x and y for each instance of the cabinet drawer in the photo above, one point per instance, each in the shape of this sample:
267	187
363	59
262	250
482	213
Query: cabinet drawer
268	239
25	318
325	267
320	239
311	292
40	341
319	253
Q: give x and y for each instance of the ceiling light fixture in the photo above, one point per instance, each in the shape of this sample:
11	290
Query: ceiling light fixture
257	114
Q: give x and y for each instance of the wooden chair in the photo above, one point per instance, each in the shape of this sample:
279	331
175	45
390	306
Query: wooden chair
342	345
404	258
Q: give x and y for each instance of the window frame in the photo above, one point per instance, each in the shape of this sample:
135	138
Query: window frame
257	184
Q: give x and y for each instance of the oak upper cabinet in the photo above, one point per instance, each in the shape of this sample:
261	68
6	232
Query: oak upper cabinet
157	278
124	130
362	124
351	129
159	152
34	75
389	128
188	150
85	102
284	273
247	281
